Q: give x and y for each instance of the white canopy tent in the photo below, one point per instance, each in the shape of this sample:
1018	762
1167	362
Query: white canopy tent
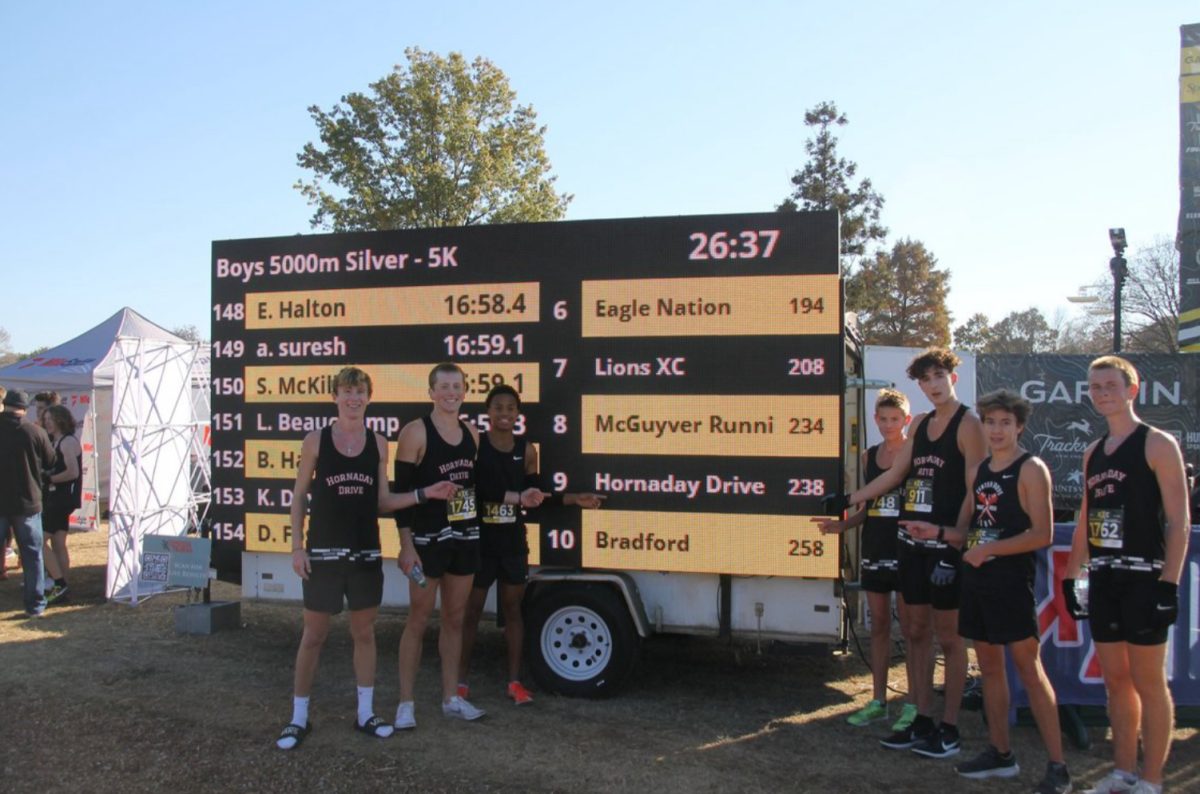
81	371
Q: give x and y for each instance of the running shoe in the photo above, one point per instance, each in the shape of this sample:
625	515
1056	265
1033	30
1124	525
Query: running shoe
463	690
519	694
905	739
989	763
405	720
872	712
907	715
1056	781
942	743
55	593
1114	783
460	709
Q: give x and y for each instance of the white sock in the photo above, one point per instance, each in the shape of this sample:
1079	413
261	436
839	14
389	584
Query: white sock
366	704
299	717
300	711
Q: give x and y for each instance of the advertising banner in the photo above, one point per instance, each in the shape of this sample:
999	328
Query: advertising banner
1063	421
1189	189
1068	653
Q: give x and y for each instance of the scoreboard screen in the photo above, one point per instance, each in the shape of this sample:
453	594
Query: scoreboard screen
690	368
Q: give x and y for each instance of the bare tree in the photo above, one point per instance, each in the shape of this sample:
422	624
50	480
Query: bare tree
6	352
1149	303
1151	299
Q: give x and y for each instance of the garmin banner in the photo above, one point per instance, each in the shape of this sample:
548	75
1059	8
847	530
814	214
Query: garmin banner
1068	653
1188	240
1063	421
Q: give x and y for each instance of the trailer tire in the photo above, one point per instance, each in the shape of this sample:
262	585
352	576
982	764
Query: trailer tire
581	640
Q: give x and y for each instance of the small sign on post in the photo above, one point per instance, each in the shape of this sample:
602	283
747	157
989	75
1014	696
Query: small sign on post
175	561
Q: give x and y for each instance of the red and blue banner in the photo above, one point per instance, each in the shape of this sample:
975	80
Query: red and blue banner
1068	653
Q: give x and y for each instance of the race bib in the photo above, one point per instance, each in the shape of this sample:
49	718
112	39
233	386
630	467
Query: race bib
1106	528
979	535
499	513
461	506
886	506
918	496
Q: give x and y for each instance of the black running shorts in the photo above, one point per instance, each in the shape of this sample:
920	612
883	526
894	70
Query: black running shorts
334	583
999	610
1120	604
879	580
454	557
916	566
507	569
55	520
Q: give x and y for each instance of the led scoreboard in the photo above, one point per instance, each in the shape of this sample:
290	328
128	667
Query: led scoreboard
691	368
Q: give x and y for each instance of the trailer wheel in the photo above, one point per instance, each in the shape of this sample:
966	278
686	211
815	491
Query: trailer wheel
582	641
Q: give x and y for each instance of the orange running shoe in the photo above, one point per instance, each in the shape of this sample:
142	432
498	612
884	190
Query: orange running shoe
519	693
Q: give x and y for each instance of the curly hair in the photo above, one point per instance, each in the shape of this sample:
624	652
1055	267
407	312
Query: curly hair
932	358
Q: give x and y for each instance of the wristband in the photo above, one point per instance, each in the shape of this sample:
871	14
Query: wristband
941	536
419	495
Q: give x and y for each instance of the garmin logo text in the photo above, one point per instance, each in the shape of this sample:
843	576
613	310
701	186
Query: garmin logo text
1150	393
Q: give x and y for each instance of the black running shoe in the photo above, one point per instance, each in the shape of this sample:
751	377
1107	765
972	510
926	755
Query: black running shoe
942	743
905	739
1056	781
989	763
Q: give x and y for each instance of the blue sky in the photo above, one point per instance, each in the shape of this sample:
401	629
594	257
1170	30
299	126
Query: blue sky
1006	137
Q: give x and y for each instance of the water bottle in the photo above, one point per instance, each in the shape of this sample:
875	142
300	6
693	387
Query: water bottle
417	575
1081	589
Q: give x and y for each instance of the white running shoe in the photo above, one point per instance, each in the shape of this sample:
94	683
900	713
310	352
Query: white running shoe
405	720
460	709
1112	784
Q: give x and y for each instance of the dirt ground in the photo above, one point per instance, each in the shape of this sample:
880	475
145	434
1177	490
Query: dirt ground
107	697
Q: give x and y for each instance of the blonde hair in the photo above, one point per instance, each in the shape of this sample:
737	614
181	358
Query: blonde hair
350	377
891	398
447	368
1120	364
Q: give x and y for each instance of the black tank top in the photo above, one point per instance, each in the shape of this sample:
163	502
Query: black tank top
997	514
502	527
879	538
456	518
937	478
343	515
66	495
1125	507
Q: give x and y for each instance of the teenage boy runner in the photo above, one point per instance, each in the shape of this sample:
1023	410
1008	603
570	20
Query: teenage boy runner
932	466
443	539
1006	516
345	466
1133	529
506	476
879	576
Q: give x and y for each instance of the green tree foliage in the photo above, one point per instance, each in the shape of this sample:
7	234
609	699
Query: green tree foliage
1023	332
439	143
827	182
1018	332
900	297
974	335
